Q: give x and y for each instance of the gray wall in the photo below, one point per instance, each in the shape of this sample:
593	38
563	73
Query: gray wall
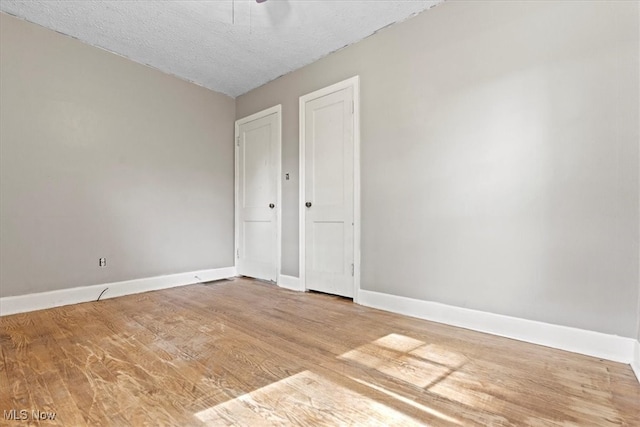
103	157
499	158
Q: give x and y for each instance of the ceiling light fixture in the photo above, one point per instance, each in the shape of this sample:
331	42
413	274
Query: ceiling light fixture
233	9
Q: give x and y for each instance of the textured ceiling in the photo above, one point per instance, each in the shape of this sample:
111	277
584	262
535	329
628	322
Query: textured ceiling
228	46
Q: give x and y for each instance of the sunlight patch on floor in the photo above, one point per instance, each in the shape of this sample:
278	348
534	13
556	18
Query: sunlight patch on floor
304	398
464	388
407	359
431	367
408	401
399	342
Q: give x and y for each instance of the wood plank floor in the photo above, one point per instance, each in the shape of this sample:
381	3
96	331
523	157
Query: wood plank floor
246	353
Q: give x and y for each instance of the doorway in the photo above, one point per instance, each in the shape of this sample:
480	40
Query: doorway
330	189
257	194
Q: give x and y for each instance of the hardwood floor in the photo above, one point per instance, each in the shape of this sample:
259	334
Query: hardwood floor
248	353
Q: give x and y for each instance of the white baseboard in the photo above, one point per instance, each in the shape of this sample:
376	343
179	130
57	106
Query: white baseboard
289	282
635	364
42	300
604	346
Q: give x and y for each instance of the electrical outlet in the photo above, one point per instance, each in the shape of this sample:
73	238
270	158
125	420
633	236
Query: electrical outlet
102	262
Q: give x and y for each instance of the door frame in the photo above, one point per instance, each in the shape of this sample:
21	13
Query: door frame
353	82
277	109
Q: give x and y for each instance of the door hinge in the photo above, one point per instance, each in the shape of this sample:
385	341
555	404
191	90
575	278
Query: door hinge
238	253
352	269
353	106
238	141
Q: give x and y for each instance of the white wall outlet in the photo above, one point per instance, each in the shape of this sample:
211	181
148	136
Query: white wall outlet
102	262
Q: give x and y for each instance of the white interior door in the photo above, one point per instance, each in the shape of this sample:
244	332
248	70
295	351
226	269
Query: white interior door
257	194
328	191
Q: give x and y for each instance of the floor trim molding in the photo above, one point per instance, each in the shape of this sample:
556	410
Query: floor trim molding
38	301
635	364
604	346
290	282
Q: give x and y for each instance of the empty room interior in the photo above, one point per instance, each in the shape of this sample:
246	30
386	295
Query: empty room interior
301	212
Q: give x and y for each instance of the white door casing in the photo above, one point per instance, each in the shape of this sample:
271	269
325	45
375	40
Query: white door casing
257	194
329	189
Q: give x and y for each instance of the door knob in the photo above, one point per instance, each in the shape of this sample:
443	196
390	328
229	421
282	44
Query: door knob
271	205
308	204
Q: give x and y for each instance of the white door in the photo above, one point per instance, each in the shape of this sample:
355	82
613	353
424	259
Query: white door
327	131
257	194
